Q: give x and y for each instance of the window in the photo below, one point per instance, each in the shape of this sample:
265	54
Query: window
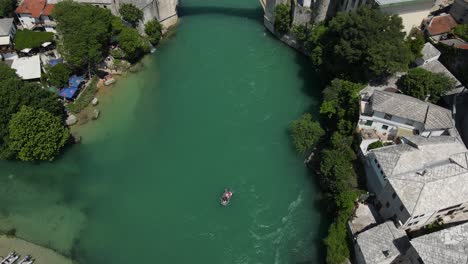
381	172
384	127
375	160
378	165
395	217
393	195
387	204
388	117
415	223
401	208
369	122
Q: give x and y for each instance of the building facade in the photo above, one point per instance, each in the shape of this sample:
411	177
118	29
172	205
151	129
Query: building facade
7	33
36	13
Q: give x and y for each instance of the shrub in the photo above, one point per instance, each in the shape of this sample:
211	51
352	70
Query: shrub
282	18
31	39
130	13
461	31
300	32
153	30
374	145
58	75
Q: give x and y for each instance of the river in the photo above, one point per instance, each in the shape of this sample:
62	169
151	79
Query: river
210	110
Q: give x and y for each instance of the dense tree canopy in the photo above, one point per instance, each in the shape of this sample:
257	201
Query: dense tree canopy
132	44
305	133
7	72
85	31
130	13
31	39
282	18
36	134
7	7
360	45
420	83
153	30
415	41
13	94
58	75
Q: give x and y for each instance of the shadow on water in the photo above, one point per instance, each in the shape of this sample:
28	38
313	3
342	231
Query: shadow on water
250	13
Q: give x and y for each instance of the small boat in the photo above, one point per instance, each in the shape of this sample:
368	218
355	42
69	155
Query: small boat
226	197
27	260
11	258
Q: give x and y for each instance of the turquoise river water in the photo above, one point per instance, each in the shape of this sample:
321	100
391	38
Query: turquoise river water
209	110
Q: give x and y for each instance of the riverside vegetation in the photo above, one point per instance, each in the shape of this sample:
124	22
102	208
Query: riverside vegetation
348	51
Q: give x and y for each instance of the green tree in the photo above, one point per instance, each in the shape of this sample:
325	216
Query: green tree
282	18
363	45
13	94
153	30
415	41
132	44
130	13
375	145
36	134
461	31
300	32
7	7
7	72
420	83
85	31
305	133
31	39
117	25
58	75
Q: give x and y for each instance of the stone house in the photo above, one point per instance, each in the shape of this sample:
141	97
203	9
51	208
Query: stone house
437	27
386	116
420	180
7	33
36	13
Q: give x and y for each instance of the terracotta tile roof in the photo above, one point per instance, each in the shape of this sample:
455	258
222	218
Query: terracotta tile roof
34	7
440	24
464	46
48	9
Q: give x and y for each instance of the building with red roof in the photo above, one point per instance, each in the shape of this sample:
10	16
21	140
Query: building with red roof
35	13
439	25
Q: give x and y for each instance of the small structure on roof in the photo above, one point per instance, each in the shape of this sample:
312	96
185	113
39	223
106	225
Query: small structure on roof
28	68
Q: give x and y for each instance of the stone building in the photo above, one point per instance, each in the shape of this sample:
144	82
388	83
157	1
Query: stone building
420	180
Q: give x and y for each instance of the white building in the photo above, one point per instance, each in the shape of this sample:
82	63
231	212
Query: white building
386	116
420	180
28	68
36	13
7	32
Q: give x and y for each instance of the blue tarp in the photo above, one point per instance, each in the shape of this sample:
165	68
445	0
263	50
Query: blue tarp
75	81
68	92
54	62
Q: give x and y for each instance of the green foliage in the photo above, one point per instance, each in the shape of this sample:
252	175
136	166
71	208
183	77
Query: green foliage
360	45
282	18
85	31
461	31
130	13
415	42
117	53
36	134
7	7
7	72
305	133
374	145
31	39
420	83
300	32
85	98
117	25
58	75
132	44
153	30
336	241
